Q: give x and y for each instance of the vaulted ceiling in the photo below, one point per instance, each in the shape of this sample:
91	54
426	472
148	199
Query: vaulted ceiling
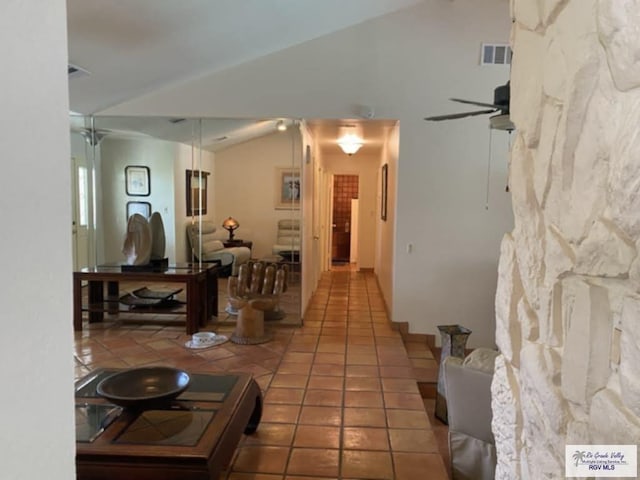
134	47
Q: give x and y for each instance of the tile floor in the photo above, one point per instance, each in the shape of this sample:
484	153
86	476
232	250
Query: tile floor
341	399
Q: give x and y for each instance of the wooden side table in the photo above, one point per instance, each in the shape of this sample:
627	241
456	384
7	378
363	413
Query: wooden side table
238	243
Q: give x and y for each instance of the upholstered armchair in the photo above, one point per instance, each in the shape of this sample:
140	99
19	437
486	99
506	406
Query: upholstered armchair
256	289
288	240
468	390
206	247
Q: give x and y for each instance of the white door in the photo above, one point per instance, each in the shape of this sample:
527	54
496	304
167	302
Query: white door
81	213
353	252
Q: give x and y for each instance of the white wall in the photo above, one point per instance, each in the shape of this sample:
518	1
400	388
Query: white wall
405	65
37	416
117	154
385	253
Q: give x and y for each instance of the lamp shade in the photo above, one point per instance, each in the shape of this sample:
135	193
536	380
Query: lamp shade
350	143
230	224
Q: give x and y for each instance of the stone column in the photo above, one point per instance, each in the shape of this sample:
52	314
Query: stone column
567	306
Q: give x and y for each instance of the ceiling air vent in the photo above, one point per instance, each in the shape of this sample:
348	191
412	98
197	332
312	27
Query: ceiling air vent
75	71
496	54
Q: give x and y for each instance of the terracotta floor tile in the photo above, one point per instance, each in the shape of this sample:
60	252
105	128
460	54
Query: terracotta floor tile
328	369
294	368
331	347
361	384
364	417
408	401
361	359
317	436
405	385
412	466
285	380
311	415
361	350
396	372
261	459
362	371
291	396
367	465
419	441
274	434
335	330
253	476
408	419
319	382
298	357
330	358
363	399
316	462
327	398
359	340
302	347
298	477
280	413
358	438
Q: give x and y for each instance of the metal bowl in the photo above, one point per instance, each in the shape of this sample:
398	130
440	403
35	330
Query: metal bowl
144	387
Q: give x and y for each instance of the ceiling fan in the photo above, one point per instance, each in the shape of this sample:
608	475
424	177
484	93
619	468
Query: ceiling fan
500	105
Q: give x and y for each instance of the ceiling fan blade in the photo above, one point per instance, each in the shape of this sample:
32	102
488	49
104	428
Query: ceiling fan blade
479	104
458	115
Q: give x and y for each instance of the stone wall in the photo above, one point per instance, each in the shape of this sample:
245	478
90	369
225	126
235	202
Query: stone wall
568	302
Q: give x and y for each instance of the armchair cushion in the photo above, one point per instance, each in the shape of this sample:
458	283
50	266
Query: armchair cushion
288	237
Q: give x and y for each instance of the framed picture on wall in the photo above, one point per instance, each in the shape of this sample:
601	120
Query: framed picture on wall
288	188
196	188
137	181
143	208
383	192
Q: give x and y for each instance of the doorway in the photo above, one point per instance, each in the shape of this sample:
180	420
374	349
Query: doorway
344	220
81	213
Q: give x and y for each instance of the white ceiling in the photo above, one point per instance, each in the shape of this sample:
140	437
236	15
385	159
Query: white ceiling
133	47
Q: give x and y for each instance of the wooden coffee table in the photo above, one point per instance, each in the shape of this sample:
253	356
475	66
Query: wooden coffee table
193	437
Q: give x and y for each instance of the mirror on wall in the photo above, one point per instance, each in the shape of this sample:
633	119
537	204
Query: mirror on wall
199	172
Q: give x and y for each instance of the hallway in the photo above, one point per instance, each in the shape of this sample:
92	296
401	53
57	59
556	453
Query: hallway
341	399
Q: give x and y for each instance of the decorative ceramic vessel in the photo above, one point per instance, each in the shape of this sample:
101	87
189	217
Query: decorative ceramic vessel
454	340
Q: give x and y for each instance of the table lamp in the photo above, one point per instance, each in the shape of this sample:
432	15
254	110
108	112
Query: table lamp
230	224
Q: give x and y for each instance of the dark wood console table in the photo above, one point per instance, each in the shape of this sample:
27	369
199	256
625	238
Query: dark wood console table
192	438
201	285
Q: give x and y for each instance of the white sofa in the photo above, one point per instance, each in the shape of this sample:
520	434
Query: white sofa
468	392
207	247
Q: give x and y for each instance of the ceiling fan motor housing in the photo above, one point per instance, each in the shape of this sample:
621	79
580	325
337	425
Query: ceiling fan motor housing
501	96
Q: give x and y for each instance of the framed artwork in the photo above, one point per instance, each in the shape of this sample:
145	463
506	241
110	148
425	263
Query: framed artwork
196	188
137	181
287	188
143	208
383	196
